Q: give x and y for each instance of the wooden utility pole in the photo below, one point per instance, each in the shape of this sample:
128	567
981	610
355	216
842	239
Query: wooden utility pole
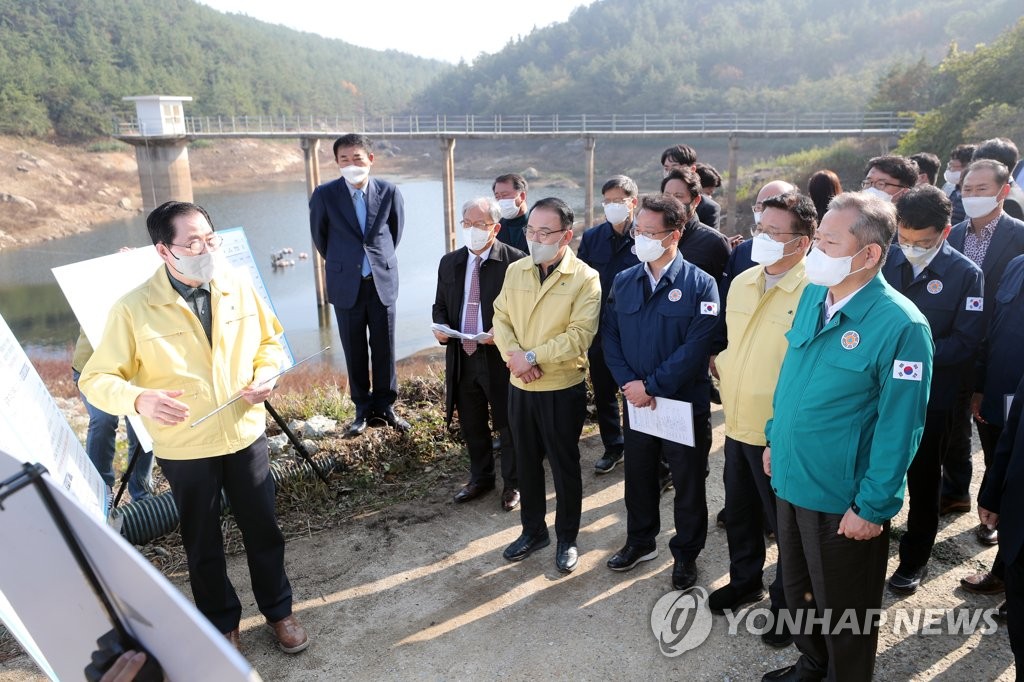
448	187
310	154
734	147
590	142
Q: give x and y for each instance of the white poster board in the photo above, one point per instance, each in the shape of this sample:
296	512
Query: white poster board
42	581
671	420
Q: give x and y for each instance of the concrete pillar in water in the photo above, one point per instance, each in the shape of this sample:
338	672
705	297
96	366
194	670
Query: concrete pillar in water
448	187
164	172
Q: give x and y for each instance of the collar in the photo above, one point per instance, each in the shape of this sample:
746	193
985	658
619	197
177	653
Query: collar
483	256
791	279
857	306
365	189
937	265
669	274
165	290
989	227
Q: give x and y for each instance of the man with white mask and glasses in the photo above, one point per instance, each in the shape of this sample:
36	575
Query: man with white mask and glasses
658	326
889	177
848	415
760	310
545	318
476	378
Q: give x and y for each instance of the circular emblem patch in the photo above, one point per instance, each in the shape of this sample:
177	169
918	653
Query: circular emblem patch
850	340
934	286
675	295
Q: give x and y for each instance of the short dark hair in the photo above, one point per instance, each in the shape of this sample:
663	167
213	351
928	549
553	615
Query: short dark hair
353	140
566	217
623	182
517	181
928	164
688	176
673	212
899	167
998	168
963	153
709	177
800	206
922	207
1001	149
683	154
160	222
822	186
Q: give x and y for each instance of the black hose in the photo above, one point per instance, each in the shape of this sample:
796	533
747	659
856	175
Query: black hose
156	516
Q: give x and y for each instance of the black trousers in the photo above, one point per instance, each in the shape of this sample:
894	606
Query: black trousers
549	422
988	434
956	462
479	405
688	466
245	478
924	485
1015	609
827	571
606	401
749	503
369	313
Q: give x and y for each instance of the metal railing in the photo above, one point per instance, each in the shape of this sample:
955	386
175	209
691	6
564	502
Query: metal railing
862	123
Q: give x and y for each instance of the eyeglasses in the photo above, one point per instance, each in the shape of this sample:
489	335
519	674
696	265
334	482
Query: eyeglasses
880	185
542	234
476	226
621	202
760	230
634	233
198	245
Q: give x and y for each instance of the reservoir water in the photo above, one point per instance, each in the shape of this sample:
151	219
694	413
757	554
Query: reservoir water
274	217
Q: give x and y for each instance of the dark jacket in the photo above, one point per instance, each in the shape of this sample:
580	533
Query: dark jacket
448	303
511	232
1004	479
340	240
1007	243
1000	363
946	292
599	250
705	247
709	211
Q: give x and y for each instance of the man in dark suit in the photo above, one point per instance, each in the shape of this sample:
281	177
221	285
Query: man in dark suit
1004	151
356	222
991	239
468	280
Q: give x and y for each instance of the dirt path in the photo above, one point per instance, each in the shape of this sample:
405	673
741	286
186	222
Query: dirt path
420	591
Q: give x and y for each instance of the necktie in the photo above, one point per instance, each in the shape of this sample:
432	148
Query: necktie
201	306
359	202
470	322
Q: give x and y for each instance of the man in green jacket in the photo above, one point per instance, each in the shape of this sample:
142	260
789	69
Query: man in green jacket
849	412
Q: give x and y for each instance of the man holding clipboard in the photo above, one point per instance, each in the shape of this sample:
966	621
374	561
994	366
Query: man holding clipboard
658	326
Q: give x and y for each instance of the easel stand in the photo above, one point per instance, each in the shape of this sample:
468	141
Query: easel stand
115	642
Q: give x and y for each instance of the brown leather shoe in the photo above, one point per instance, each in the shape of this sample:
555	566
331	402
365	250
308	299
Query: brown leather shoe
983	583
291	636
509	499
471	491
234	639
949	505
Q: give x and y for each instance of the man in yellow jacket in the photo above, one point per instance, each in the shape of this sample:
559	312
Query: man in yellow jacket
544	321
758	313
185	341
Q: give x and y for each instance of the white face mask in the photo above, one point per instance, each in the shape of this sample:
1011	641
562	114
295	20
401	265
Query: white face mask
542	253
766	251
615	213
648	249
977	207
826	271
878	194
952	177
356	175
476	239
919	256
201	268
508	208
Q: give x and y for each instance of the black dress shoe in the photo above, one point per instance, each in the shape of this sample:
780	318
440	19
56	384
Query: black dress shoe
472	490
684	575
906	582
787	674
732	598
987	536
525	545
607	462
357	426
393	420
509	499
566	557
630	555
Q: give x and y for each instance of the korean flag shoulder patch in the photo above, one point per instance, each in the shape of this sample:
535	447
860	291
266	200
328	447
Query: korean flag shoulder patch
975	303
907	370
709	308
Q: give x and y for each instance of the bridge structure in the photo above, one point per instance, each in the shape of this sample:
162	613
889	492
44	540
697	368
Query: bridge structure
151	146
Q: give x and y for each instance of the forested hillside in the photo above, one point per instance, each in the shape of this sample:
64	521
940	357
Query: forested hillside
632	56
65	64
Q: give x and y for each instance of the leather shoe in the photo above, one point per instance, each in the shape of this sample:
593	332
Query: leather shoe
525	545
566	557
787	674
393	420
607	462
905	582
357	426
509	499
472	490
684	575
234	639
630	555
983	583
950	505
732	598
986	536
291	636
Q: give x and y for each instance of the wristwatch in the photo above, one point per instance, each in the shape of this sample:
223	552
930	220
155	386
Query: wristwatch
531	357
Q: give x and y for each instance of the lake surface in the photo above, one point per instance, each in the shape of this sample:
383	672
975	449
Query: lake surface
274	217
